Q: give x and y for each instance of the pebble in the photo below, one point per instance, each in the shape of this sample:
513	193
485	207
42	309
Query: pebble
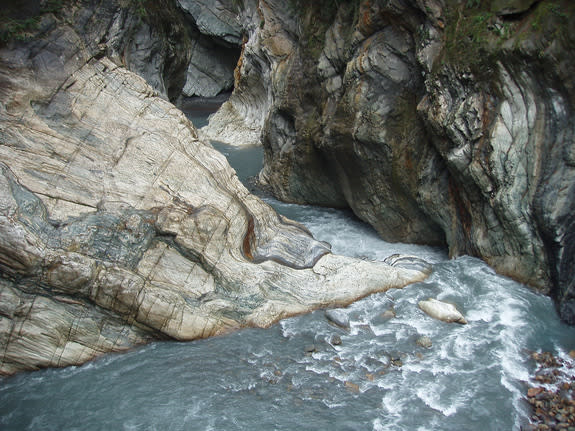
396	361
388	314
310	348
335	340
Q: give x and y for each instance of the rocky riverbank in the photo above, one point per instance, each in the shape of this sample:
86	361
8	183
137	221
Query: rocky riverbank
437	122
552	393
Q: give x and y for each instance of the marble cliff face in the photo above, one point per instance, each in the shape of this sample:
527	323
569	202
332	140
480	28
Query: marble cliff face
436	121
117	224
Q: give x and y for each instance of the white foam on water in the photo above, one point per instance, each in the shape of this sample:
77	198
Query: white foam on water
333	405
430	394
395	406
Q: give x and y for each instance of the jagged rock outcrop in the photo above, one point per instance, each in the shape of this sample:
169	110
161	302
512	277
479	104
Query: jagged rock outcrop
149	38
267	41
118	225
181	48
435	121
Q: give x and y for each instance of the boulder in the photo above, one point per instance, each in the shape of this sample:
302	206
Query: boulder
337	317
440	310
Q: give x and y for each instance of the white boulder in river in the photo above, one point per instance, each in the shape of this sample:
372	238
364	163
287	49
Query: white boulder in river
441	311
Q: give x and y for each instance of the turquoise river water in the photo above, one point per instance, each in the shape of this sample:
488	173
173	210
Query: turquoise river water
473	377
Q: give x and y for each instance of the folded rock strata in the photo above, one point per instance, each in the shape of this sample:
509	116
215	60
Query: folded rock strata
118	225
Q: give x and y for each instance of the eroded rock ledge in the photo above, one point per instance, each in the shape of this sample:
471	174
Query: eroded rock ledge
118	225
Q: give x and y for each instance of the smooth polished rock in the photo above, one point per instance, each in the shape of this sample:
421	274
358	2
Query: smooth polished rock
440	310
337	317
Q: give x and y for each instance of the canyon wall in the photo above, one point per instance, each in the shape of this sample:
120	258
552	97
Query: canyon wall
436	121
117	224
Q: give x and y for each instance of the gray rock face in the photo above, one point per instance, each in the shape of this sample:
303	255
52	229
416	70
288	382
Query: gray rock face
154	42
118	225
269	38
178	53
436	122
217	18
217	34
211	70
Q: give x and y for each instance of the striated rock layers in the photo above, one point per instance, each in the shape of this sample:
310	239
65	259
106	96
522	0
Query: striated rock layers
118	226
435	121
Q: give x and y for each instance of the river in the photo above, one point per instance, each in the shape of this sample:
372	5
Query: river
294	376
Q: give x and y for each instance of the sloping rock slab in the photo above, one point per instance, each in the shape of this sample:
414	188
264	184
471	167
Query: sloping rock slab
117	225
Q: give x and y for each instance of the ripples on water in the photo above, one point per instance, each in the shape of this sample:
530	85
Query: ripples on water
472	378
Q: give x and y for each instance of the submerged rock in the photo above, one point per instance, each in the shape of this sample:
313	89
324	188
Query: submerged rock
424	342
388	314
441	311
337	317
335	340
310	348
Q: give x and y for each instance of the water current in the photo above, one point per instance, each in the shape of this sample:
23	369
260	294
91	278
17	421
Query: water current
293	376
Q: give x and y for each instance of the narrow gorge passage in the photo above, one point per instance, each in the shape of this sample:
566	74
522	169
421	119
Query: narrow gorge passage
441	122
305	372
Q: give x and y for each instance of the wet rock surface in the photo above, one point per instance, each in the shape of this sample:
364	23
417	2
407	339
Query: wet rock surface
443	311
435	122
